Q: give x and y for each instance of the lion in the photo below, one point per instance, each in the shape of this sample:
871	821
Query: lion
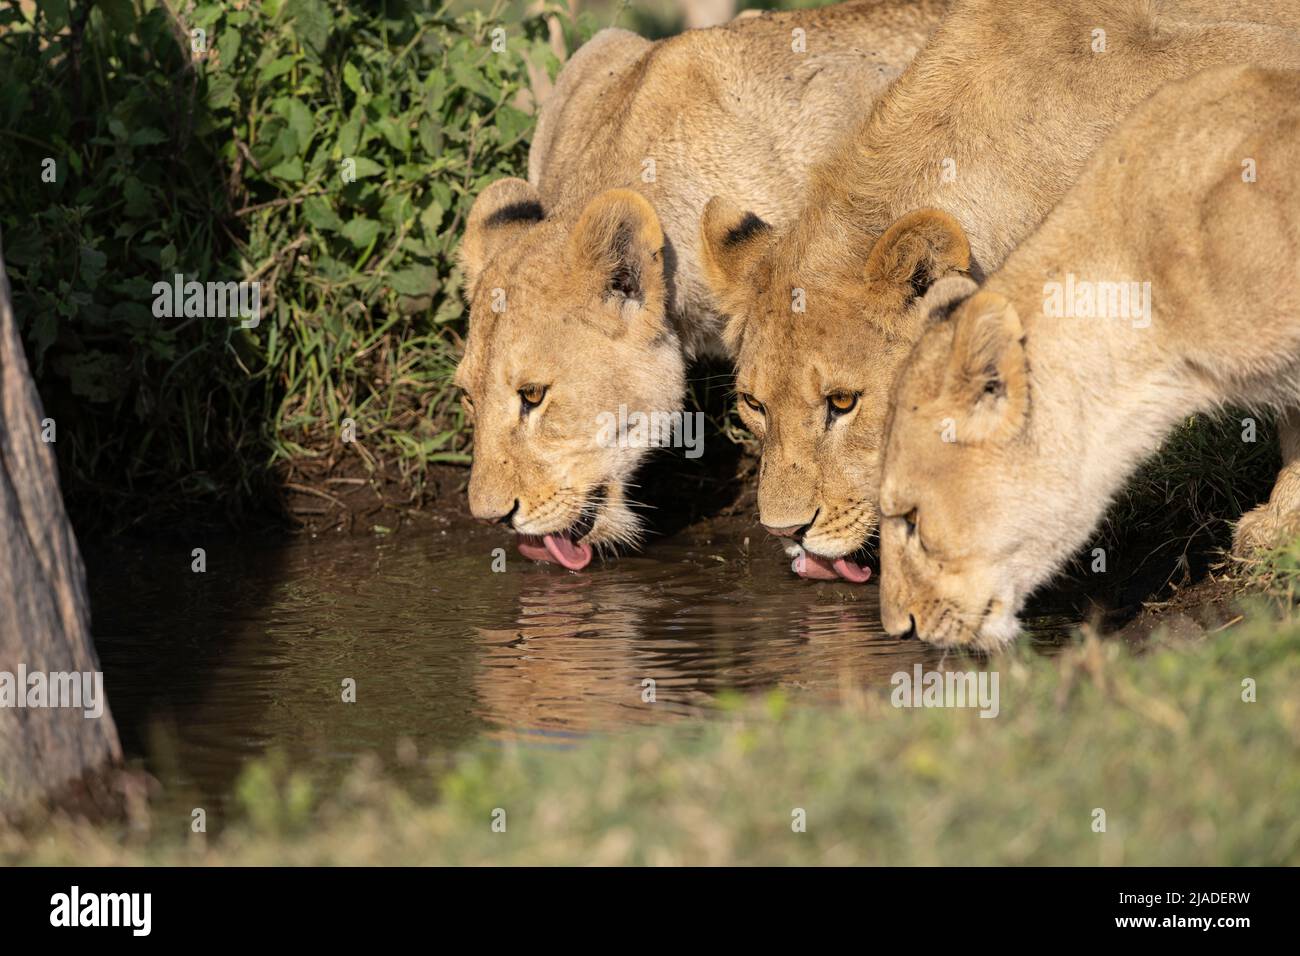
586	294
1162	286
957	162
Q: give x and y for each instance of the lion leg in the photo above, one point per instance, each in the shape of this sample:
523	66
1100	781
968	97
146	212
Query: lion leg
1277	521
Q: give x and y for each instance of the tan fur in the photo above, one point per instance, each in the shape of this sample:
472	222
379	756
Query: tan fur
1014	425
991	124
731	109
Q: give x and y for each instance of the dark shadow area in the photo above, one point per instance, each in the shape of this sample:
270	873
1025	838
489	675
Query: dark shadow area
163	629
207	672
1171	529
678	491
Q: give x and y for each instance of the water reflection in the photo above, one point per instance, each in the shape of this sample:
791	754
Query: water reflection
698	618
206	670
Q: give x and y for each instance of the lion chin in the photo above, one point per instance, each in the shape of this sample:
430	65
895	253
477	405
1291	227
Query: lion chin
998	632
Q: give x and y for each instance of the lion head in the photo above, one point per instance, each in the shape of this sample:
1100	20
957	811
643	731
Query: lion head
980	505
818	339
567	324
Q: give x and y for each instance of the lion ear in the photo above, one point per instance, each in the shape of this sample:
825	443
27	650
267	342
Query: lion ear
502	210
618	236
917	251
987	375
732	240
944	296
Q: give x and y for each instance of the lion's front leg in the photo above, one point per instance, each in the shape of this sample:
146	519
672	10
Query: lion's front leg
1277	521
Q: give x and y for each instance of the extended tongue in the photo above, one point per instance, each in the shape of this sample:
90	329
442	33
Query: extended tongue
531	547
574	555
557	549
852	571
814	566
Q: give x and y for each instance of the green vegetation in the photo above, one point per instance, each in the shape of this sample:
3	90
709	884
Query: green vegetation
1186	770
1277	575
328	150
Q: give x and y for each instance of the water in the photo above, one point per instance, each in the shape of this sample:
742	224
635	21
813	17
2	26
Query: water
206	671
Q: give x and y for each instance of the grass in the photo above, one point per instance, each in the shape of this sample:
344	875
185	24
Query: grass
327	150
1277	574
1186	771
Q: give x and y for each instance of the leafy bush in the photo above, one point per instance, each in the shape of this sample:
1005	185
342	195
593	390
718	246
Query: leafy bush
327	150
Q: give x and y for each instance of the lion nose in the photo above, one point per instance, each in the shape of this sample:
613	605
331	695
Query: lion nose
904	635
789	531
795	531
499	518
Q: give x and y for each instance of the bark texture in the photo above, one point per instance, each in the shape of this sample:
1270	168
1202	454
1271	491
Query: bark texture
44	611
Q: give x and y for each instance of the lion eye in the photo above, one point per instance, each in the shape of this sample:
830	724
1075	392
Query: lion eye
752	402
467	402
532	395
910	518
841	403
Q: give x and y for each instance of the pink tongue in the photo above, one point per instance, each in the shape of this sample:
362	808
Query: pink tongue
556	549
824	569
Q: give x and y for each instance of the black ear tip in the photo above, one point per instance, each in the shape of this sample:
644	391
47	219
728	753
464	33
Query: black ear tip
523	210
944	312
748	227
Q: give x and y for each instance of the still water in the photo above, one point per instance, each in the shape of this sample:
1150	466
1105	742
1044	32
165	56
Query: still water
206	671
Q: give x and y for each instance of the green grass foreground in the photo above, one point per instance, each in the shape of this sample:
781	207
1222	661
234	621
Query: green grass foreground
1186	771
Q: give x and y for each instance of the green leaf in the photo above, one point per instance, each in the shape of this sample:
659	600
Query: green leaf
287	144
317	211
512	126
312	21
435	87
364	168
56	14
228	47
468	78
396	132
277	67
221	90
299	118
415	280
430	132
431	219
352	79
290	169
361	232
147	136
120	15
137	197
349	136
92	265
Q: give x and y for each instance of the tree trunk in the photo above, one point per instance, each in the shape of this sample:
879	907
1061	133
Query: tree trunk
44	612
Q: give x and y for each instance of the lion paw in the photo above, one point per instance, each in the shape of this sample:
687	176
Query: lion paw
1264	528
